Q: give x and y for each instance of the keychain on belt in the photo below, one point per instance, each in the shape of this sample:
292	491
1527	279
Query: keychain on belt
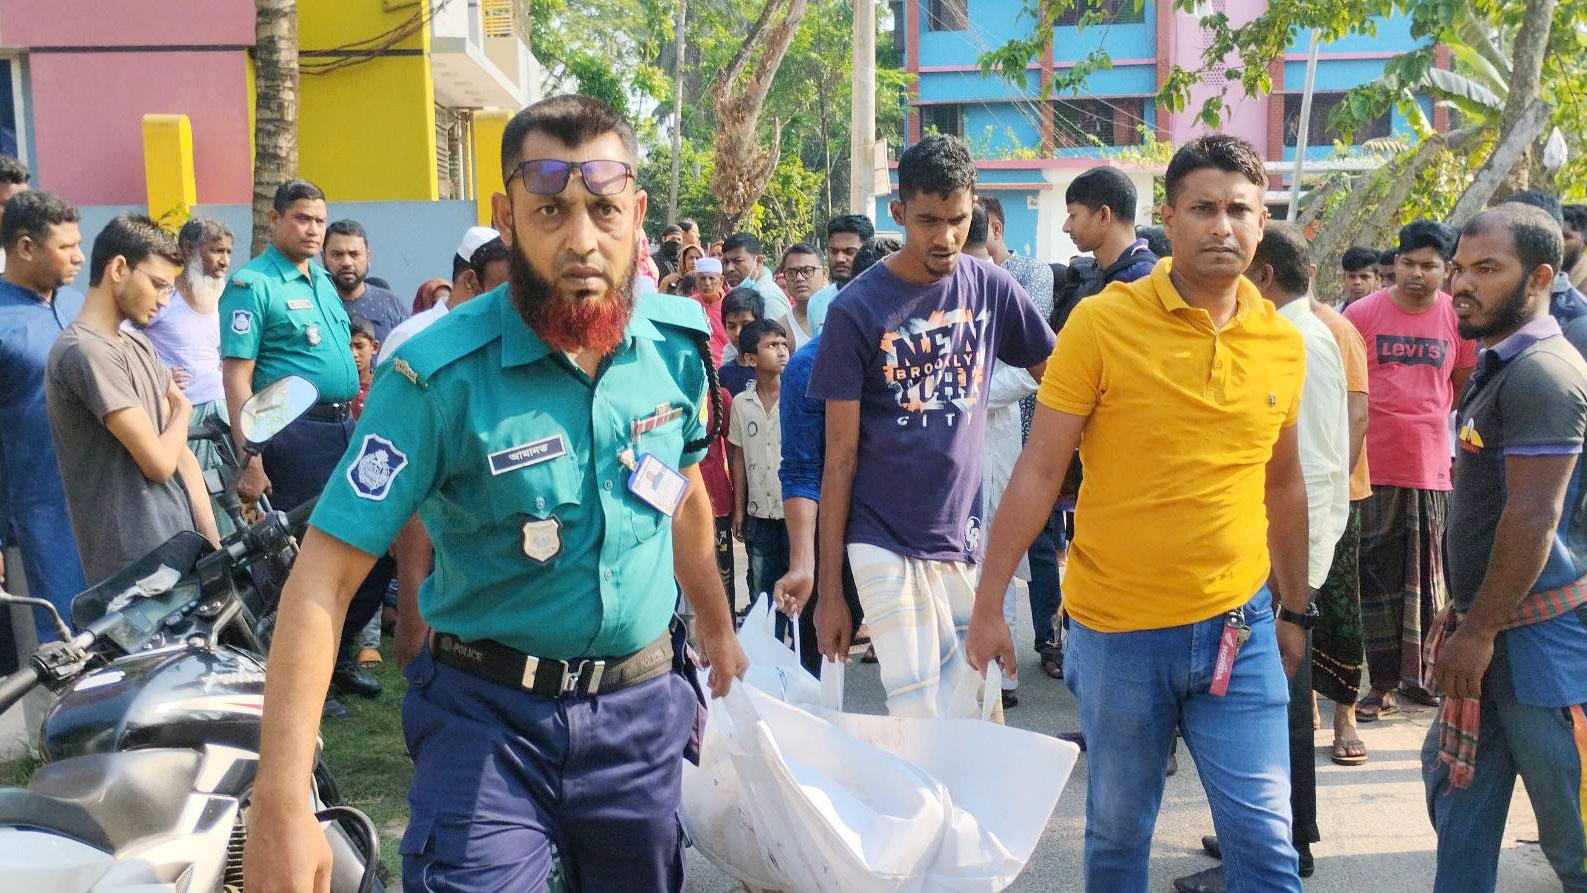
1236	632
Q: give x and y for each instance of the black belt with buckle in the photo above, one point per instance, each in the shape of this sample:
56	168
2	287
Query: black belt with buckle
339	411
549	677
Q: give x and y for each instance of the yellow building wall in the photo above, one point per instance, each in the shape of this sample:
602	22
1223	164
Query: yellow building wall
366	132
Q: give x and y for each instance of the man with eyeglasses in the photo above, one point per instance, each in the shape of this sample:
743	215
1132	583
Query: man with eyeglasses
804	275
118	418
548	433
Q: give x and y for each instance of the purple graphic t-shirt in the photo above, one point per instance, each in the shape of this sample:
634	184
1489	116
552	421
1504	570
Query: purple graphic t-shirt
919	359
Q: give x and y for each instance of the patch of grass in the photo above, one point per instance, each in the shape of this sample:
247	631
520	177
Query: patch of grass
368	759
15	773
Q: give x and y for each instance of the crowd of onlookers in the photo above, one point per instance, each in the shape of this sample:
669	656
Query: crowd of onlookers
1318	462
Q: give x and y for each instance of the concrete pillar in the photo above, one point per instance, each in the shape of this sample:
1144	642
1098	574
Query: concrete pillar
168	171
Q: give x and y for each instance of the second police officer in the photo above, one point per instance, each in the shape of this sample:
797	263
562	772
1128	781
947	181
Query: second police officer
548	434
280	315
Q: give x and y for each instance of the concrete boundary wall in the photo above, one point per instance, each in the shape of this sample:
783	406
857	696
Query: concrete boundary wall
409	242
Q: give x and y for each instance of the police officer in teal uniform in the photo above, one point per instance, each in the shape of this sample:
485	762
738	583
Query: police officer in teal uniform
280	315
548	435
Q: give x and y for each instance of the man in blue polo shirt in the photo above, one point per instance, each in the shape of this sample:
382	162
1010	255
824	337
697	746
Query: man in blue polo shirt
43	252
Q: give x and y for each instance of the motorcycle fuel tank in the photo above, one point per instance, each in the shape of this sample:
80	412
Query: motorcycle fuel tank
178	696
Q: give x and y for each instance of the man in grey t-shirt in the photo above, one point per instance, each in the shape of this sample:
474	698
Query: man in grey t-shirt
1507	655
118	419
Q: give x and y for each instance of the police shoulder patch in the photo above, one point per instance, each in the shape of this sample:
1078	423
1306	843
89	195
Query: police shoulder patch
377	466
242	321
684	313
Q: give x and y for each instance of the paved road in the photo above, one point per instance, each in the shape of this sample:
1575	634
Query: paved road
1376	835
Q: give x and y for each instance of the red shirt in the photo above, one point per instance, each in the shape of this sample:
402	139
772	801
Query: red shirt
713	315
1411	362
713	468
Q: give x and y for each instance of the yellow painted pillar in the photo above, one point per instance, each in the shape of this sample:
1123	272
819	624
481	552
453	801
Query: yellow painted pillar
168	169
486	141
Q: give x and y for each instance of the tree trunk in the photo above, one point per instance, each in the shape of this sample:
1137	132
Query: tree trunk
677	112
1526	77
743	166
1512	144
275	108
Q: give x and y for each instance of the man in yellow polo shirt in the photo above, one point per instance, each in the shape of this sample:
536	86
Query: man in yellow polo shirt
1186	386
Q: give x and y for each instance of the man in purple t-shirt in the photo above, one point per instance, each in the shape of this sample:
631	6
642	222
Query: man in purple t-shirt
904	365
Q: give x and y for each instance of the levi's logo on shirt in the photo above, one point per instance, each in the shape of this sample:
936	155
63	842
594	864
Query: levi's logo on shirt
1408	350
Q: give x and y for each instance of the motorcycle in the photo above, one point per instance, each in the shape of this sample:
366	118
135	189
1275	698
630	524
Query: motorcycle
151	743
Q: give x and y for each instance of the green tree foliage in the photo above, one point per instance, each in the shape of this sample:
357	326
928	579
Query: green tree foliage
621	51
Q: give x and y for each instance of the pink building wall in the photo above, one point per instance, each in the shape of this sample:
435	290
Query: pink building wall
1245	117
95	68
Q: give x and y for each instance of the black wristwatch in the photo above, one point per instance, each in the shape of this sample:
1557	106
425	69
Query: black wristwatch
1304	621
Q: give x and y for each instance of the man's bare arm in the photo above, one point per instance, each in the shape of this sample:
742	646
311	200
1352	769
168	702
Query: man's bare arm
1027	504
792	592
833	619
198	497
237	377
740	479
1358	425
158	455
1534	499
286	850
694	565
415	557
1287	539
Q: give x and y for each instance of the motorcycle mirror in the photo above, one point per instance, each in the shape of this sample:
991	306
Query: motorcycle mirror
271	409
61	629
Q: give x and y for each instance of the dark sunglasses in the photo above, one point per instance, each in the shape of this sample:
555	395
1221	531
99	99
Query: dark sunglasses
549	176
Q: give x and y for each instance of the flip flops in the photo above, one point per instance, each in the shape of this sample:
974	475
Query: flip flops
1349	751
1375	706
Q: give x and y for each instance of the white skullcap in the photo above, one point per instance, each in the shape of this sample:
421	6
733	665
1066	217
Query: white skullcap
475	237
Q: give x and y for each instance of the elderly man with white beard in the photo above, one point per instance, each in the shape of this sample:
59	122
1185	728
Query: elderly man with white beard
186	332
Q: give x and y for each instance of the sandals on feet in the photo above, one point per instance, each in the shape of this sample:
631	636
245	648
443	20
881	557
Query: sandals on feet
1376	705
1349	751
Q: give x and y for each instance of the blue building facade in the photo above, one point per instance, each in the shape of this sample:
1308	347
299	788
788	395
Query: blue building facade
1029	150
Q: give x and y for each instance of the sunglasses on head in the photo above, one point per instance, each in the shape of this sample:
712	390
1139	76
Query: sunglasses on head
549	176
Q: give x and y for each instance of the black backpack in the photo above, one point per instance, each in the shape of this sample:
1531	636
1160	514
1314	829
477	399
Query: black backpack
1083	278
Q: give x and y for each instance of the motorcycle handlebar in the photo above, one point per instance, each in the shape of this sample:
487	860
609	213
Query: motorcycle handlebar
299	515
17	685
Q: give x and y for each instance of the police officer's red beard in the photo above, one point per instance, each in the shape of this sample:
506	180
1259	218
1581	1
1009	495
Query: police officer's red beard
572	322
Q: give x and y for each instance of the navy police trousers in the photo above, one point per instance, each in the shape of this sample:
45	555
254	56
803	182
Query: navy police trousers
501	775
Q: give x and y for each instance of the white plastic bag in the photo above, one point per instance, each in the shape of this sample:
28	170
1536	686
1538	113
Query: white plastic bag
815	799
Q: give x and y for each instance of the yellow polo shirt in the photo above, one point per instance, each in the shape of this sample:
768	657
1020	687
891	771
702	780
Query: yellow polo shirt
1171	524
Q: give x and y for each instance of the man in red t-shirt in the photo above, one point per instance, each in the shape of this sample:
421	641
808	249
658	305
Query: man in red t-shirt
1417	364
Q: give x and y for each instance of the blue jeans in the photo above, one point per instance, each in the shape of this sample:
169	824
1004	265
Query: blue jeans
500	775
1046	594
1134	688
1536	743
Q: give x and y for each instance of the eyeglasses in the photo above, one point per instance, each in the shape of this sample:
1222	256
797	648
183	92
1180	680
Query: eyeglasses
549	176
799	272
160	285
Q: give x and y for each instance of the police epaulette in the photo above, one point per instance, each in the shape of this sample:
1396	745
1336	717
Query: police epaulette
685	313
449	339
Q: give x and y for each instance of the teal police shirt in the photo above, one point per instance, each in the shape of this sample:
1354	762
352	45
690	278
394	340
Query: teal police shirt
517	462
288	323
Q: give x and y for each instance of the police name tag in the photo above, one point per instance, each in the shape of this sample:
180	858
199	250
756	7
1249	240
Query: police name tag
527	454
300	305
658	484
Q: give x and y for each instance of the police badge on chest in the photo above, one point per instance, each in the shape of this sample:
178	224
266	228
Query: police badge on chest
542	539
